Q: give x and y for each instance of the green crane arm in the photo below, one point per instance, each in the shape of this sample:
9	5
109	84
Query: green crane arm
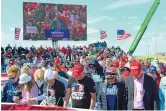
143	27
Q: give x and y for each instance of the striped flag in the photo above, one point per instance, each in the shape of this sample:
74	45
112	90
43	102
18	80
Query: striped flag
17	33
103	34
121	34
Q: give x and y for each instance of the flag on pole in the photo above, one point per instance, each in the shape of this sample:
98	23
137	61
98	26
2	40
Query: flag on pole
17	33
121	34
103	34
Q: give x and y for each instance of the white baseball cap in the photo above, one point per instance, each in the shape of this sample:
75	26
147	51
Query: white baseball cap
49	75
24	78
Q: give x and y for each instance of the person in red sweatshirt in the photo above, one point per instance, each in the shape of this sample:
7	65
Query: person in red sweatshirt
68	53
63	50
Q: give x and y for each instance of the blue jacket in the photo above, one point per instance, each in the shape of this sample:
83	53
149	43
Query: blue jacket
63	74
162	93
10	90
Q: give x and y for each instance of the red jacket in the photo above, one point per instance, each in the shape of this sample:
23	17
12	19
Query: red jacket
63	50
68	51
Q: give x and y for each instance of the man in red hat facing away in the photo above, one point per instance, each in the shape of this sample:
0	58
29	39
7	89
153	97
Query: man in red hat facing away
81	89
141	89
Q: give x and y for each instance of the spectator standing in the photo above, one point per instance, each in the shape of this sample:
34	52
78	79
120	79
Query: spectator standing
81	89
162	94
57	86
141	89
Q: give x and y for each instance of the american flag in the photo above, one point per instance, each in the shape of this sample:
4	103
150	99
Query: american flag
103	34
17	33
121	34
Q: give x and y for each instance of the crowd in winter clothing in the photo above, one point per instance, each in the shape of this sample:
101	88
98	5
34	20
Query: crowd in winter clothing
81	77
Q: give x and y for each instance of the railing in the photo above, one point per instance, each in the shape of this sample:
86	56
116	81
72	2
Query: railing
13	106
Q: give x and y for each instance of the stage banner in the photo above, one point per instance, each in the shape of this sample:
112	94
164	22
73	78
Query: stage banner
26	107
57	34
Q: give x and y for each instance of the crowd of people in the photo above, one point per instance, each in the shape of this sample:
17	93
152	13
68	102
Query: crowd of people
41	16
83	77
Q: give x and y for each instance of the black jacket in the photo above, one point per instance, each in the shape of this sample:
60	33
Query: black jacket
151	97
99	69
120	97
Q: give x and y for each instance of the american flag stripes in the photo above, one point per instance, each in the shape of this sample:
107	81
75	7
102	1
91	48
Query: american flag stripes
103	34
121	34
17	33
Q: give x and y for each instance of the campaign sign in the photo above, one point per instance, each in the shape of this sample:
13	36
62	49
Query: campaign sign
57	33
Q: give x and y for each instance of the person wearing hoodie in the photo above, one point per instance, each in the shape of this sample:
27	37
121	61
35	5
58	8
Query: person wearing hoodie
96	73
10	92
162	94
111	92
154	74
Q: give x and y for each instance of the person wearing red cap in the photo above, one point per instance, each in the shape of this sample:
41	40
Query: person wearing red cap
126	72
81	89
11	62
57	63
111	93
141	89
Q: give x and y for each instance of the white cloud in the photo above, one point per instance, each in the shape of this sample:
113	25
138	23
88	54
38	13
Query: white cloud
150	33
121	3
92	30
123	17
129	23
131	18
12	29
160	36
99	19
164	18
136	27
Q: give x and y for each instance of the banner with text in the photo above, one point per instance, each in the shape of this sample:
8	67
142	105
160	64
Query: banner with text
56	34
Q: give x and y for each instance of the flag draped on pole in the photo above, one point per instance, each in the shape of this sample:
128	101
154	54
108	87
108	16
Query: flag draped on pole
17	33
103	34
121	34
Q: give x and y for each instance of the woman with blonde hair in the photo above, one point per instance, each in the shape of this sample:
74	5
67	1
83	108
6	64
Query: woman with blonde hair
111	93
41	85
10	92
26	69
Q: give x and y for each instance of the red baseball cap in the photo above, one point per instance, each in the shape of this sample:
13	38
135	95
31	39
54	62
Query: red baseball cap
11	62
126	73
135	68
77	70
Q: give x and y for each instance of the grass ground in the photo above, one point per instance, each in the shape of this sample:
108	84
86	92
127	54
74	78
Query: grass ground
160	58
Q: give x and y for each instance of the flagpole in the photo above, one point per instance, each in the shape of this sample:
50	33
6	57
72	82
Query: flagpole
14	38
